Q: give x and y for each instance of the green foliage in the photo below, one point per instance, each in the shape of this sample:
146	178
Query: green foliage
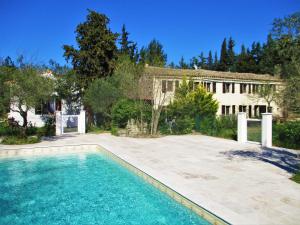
123	111
101	95
223	126
27	88
97	51
14	140
127	47
287	134
5	75
296	177
153	54
188	105
48	129
114	131
126	109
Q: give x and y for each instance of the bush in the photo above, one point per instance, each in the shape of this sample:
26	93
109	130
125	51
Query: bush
123	111
183	125
114	131
13	140
287	134
49	129
126	109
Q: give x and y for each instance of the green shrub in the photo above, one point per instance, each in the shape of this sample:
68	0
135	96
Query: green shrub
296	177
183	125
114	131
287	134
14	140
48	129
126	109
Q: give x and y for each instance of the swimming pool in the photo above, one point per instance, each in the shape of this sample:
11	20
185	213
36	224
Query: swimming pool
86	188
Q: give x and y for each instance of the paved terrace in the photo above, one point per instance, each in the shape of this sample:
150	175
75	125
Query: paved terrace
239	182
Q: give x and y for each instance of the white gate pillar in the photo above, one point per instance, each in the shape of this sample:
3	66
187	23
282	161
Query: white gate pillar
266	130
81	122
58	123
242	127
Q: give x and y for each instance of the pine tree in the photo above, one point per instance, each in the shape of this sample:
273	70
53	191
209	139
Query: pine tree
210	61
223	64
194	62
153	54
231	55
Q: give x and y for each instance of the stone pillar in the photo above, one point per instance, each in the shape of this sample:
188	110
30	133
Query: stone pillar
58	123
81	122
266	130
242	127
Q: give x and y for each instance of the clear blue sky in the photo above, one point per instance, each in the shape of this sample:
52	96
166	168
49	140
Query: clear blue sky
39	28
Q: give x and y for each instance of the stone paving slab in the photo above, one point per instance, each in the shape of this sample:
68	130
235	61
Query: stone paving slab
241	183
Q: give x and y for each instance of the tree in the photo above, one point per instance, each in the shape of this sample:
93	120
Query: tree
231	54
287	26
5	76
194	62
153	54
128	47
244	62
216	61
190	105
210	62
183	64
223	64
97	52
27	89
269	94
202	62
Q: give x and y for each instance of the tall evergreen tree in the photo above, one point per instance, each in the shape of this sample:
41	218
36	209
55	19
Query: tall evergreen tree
210	61
128	47
202	61
216	62
194	62
153	54
182	64
231	55
223	64
97	50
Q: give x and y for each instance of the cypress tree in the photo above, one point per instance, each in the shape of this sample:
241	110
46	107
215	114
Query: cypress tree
210	61
202	61
224	57
231	54
216	61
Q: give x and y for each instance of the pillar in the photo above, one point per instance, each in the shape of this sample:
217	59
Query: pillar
81	122
242	127
266	130
58	123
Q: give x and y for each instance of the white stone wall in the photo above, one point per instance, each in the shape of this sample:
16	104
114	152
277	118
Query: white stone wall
227	99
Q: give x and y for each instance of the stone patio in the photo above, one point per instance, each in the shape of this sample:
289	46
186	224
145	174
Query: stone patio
241	183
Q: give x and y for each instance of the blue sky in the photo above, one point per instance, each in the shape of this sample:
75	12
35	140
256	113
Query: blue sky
39	28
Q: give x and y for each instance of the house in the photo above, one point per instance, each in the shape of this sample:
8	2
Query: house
38	115
235	92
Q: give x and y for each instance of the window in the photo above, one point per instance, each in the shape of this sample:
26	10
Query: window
207	86
243	88
164	86
233	109
250	111
45	108
196	84
214	87
254	88
233	87
225	109
177	84
242	108
170	86
249	89
226	87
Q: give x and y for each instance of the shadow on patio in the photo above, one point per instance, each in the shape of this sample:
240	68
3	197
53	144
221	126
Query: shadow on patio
281	158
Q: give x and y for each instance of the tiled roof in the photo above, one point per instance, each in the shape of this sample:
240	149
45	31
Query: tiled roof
169	72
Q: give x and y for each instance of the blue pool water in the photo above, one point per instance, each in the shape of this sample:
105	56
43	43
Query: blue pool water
83	189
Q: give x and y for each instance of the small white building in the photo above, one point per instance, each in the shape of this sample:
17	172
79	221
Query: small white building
235	92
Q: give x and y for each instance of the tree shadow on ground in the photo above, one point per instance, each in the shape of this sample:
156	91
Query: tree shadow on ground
281	158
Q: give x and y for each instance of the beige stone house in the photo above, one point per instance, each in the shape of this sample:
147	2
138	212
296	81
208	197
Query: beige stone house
235	92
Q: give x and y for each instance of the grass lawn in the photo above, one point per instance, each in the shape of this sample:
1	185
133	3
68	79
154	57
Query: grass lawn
254	131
